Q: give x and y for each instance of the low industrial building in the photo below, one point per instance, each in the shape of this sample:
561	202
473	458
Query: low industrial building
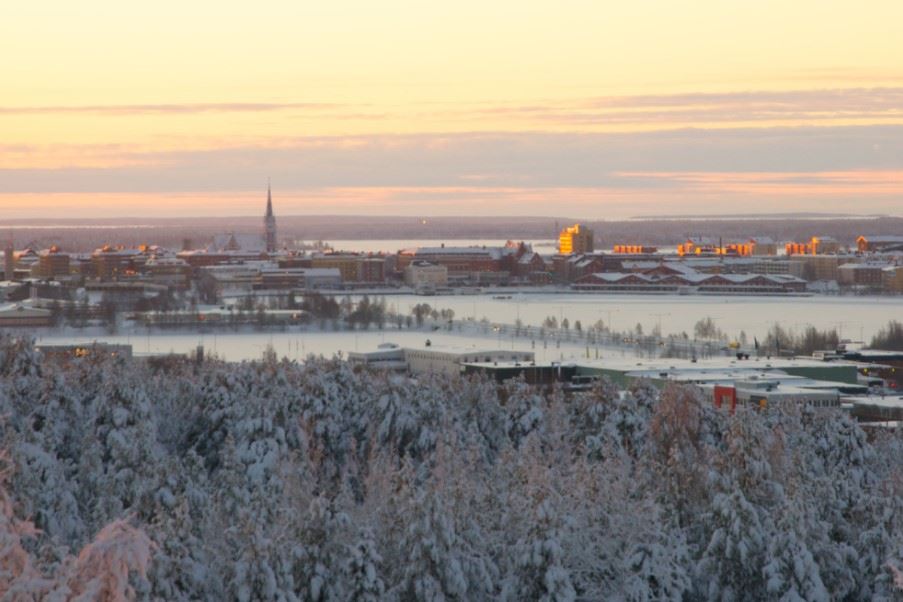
21	316
450	360
723	369
13	291
243	278
874	408
297	278
676	278
436	359
387	356
534	374
770	393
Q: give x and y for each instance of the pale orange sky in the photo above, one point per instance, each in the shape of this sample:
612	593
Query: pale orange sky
585	108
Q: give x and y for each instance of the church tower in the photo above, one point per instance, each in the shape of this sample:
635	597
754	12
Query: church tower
269	223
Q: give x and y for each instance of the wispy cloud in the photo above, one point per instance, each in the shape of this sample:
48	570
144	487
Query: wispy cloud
497	159
662	111
167	108
700	109
589	175
601	202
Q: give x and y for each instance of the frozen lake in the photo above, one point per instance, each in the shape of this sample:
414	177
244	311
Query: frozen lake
853	317
298	345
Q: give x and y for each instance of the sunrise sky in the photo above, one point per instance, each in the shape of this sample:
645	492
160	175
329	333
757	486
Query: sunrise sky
588	109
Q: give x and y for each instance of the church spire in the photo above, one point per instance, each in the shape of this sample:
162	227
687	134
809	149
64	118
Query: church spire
269	222
269	200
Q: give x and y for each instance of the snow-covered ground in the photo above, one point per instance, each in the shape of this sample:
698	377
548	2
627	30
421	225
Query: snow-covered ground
299	344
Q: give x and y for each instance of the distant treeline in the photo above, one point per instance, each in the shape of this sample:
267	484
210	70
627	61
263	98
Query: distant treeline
889	337
781	340
84	235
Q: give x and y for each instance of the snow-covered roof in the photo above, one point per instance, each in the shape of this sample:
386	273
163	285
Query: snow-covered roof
238	242
165	261
640	265
491	252
107	252
889	401
308	272
863	266
762	240
23	310
884	238
700	240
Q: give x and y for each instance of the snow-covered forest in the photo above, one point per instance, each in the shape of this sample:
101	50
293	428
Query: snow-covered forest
319	481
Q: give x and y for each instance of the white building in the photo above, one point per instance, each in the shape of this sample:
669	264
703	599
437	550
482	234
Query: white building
772	392
421	275
450	360
434	358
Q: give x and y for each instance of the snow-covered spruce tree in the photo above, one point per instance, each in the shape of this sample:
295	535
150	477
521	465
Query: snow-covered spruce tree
655	566
125	431
105	569
183	568
590	412
741	516
401	424
539	572
483	417
790	571
253	575
20	363
630	414
362	571
525	407
852	505
640	541
678	458
434	570
319	551
810	497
